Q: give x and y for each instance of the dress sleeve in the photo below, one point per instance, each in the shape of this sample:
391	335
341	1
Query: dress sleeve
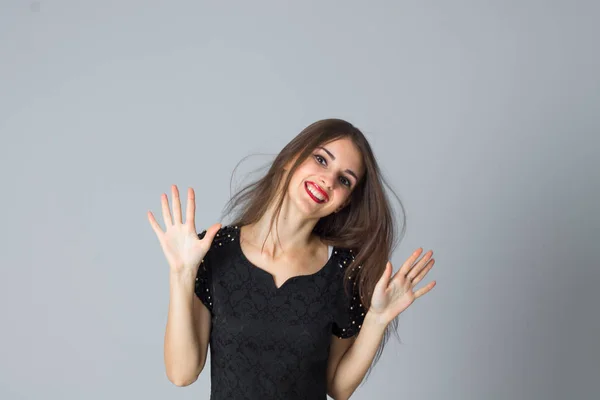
203	285
350	315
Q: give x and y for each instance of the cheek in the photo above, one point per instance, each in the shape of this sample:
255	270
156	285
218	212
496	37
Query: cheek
341	196
298	178
303	171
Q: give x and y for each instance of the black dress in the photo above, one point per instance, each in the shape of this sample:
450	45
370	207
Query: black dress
268	342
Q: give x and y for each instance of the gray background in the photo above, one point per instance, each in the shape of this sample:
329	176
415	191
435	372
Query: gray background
484	116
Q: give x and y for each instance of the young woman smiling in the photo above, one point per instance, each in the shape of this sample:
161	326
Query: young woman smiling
296	296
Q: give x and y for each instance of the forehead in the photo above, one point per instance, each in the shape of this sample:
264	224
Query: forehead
346	154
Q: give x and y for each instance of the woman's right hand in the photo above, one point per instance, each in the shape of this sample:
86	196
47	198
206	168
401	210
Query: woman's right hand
180	243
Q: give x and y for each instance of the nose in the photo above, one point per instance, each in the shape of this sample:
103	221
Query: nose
325	181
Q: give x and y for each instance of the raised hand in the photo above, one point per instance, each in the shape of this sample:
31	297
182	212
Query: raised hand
392	295
180	243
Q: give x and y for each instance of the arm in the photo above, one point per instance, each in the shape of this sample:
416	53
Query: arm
391	296
187	332
356	361
339	346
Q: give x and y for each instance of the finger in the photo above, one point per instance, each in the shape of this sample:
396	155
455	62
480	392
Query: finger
190	213
177	217
425	289
383	282
415	270
165	211
211	232
410	262
424	272
154	224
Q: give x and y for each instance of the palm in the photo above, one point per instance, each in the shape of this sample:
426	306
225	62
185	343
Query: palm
182	246
392	295
180	243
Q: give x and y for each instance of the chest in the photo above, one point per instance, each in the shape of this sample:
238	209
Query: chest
244	292
286	267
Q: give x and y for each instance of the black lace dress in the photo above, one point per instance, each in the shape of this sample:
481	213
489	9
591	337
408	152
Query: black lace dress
268	342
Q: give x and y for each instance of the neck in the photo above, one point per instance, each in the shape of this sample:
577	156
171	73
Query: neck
291	231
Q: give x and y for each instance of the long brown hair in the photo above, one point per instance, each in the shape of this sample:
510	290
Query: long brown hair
366	225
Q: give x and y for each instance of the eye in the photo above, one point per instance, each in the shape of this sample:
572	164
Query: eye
319	158
345	181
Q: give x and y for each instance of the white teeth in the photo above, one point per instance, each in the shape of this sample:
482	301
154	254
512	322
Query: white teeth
315	192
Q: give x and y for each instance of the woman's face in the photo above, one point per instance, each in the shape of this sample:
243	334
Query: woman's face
324	181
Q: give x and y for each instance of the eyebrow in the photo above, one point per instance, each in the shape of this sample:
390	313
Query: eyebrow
349	171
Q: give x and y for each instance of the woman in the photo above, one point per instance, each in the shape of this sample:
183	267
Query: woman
297	294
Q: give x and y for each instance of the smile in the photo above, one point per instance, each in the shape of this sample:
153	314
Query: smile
316	193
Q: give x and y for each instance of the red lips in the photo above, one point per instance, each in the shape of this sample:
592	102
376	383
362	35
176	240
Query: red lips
317	188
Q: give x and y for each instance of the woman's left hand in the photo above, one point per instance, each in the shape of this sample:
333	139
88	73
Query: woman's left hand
392	295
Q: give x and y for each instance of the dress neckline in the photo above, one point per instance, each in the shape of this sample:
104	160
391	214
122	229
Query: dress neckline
331	252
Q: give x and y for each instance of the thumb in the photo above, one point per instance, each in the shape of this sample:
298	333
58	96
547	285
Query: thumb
210	233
